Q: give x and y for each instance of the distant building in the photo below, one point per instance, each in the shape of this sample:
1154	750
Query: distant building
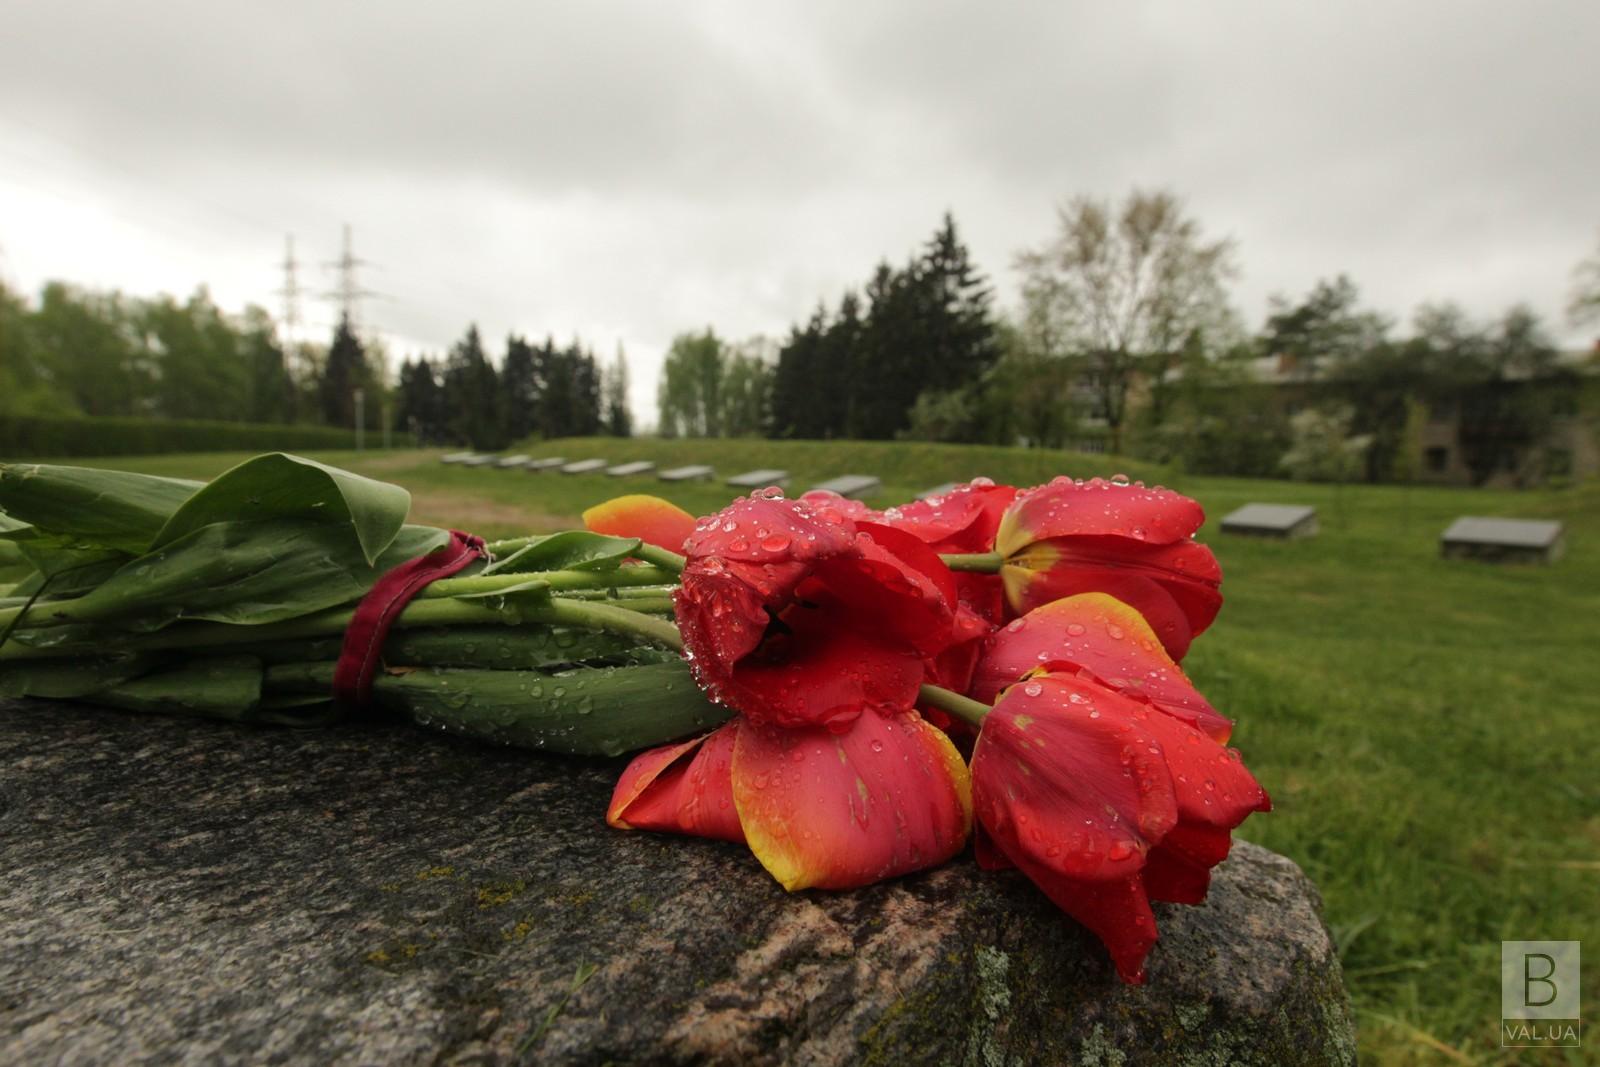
1569	449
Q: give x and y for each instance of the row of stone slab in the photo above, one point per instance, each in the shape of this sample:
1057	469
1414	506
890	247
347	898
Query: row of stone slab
1468	537
851	485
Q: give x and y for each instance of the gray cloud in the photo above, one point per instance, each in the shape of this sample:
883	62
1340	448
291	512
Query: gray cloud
628	170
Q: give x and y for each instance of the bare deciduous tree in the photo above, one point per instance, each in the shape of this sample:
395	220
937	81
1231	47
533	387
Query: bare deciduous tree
1583	306
1120	289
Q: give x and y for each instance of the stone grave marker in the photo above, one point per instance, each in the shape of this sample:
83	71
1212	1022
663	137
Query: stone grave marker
692	473
759	479
1282	521
1503	540
848	485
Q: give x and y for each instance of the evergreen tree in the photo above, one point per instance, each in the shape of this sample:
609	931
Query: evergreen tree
837	358
590	392
471	395
272	394
519	386
962	342
618	419
887	377
420	410
553	368
795	381
344	372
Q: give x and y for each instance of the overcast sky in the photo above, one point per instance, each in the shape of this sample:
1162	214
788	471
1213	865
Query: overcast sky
625	171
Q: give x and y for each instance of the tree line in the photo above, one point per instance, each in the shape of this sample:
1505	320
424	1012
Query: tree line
1126	338
545	390
77	351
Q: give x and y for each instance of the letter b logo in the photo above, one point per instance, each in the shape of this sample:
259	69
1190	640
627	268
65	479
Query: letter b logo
1539	980
1529	979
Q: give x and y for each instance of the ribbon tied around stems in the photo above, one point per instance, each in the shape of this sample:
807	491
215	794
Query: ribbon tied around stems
382	605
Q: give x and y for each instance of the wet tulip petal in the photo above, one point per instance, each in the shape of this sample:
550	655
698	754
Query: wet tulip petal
1105	636
761	529
819	673
963	520
649	518
1214	787
1174	878
835	810
986	852
1065	508
684	788
1175	587
1117	912
849	507
1065	773
792	613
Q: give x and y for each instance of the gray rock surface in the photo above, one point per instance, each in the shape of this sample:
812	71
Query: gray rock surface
184	891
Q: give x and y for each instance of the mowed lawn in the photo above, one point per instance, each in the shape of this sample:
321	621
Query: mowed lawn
1428	729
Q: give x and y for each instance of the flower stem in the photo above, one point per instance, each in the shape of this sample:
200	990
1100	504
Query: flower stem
969	711
977	562
589	615
480	584
661	557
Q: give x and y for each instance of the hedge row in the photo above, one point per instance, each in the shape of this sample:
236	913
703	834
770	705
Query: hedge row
31	436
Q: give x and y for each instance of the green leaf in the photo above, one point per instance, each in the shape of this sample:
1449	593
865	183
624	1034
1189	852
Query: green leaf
532	646
224	687
281	486
570	550
249	573
63	679
517	589
81	563
112	509
598	711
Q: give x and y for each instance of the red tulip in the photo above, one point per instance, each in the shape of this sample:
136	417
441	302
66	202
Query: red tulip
681	788
1094	632
962	521
1133	543
884	795
794	614
1106	804
649	518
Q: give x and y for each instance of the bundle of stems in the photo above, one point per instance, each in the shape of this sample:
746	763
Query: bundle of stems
230	600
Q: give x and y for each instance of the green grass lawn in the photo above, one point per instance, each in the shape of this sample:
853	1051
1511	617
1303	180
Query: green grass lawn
1427	728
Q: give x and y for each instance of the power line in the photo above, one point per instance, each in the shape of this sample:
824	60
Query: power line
347	294
290	292
299	356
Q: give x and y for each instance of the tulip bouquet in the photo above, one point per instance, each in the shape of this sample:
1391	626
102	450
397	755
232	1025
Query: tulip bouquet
854	694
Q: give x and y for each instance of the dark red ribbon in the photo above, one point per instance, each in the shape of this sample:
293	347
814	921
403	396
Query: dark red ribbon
388	597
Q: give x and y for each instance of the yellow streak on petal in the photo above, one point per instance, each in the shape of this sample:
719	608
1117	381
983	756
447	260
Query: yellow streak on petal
1126	616
1010	535
1016	581
955	767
